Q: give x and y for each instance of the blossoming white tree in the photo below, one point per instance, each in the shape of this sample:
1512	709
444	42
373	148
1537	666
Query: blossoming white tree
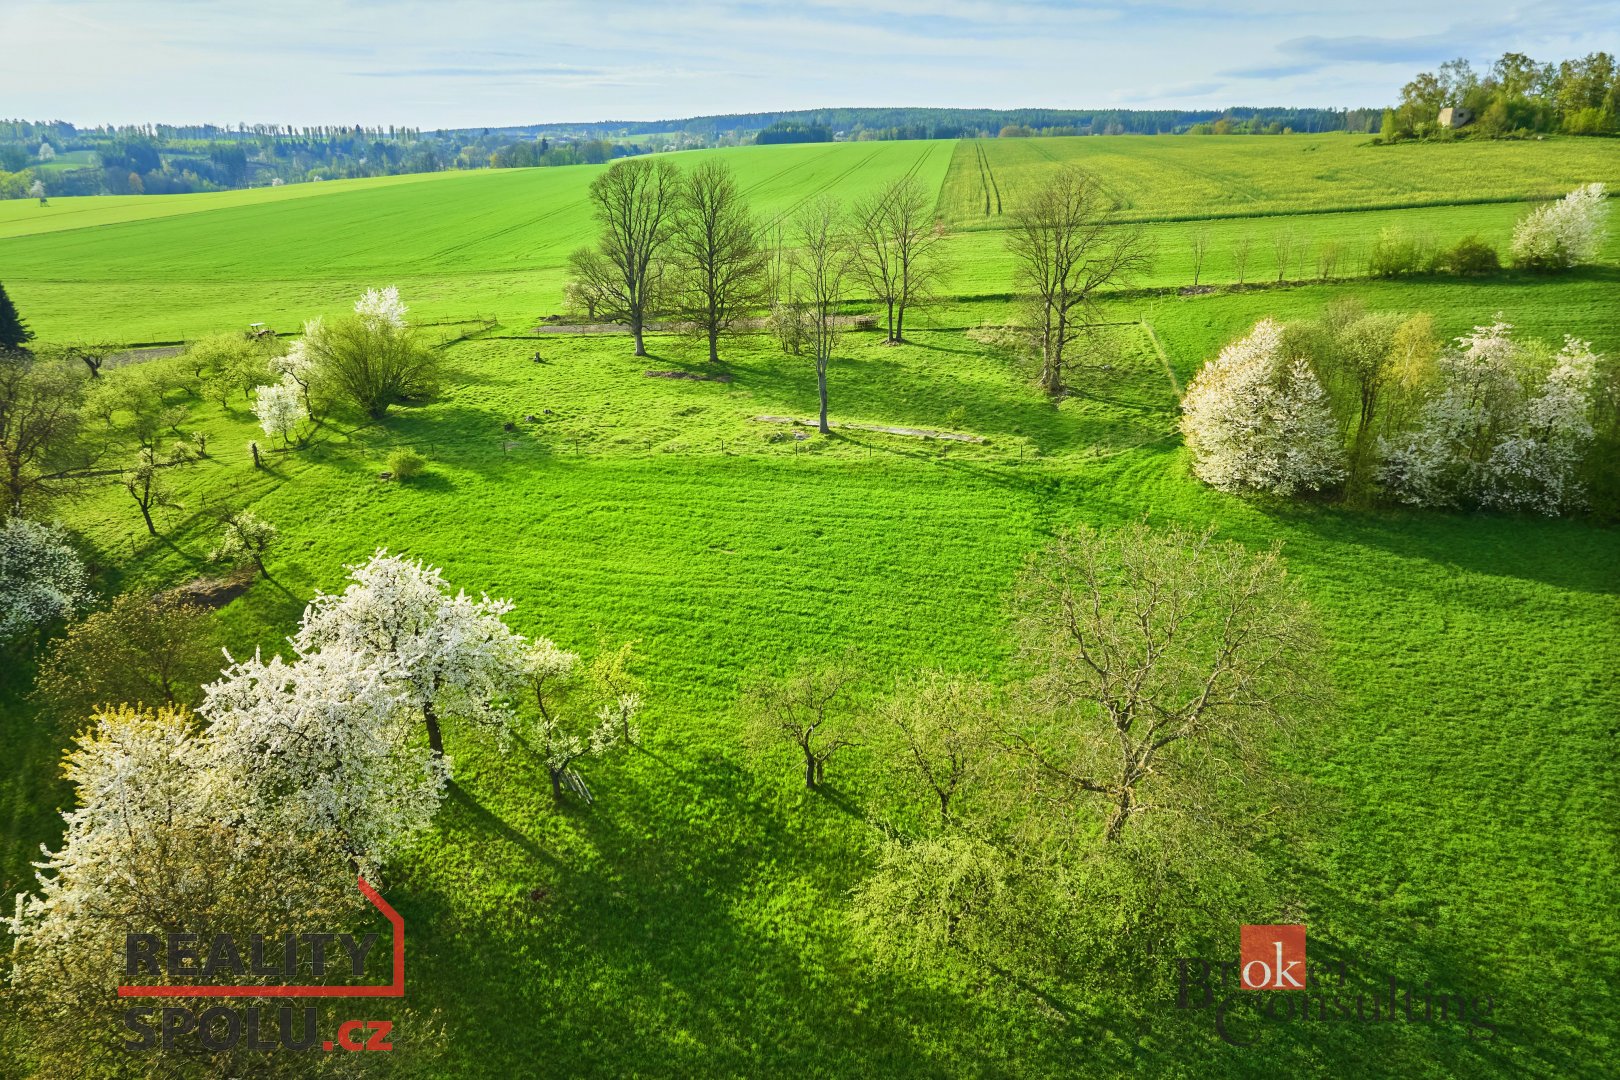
382	307
42	578
1256	421
324	742
1564	233
298	366
1442	461
156	841
454	655
1537	467
280	408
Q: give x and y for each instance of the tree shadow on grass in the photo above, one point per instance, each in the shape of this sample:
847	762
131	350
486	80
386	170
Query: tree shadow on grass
1568	554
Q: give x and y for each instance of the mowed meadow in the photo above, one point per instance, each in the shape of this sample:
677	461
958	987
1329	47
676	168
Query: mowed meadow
693	920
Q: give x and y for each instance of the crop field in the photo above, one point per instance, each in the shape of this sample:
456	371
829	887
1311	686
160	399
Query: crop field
692	919
1154	179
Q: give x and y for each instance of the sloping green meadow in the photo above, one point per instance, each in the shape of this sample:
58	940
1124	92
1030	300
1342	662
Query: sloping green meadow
692	921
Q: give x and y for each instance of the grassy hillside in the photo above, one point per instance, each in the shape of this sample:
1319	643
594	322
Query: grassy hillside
692	920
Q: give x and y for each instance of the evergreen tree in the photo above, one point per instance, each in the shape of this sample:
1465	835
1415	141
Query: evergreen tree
14	333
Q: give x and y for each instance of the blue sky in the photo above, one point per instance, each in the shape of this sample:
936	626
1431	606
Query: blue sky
465	63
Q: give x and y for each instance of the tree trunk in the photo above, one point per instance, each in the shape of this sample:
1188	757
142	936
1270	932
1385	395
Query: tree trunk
556	784
821	386
714	344
435	736
811	773
894	331
147	516
635	332
900	323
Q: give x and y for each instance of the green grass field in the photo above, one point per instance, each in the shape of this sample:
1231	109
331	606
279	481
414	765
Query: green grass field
694	920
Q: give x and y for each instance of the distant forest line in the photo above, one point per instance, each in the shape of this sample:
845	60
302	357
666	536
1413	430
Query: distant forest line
1516	97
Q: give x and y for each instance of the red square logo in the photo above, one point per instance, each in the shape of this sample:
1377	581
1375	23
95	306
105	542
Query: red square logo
1272	958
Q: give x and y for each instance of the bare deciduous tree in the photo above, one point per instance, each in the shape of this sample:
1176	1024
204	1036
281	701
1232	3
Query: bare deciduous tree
1240	256
820	266
146	484
935	728
635	203
717	249
1066	252
808	708
896	249
1200	249
1165	665
1282	246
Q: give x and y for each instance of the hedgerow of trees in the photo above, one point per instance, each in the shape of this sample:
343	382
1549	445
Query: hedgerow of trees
1516	96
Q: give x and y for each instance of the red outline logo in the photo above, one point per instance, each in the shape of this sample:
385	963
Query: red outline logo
393	989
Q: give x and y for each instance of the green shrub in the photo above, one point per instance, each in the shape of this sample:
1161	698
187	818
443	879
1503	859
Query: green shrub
405	463
1469	256
1395	254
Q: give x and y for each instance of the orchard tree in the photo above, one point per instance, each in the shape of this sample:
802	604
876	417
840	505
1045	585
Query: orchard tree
635	202
1478	400
245	537
147	484
42	578
154	843
454	656
235	365
578	714
40	448
142	648
821	262
1256	420
934	732
324	744
1538	467
298	367
372	359
14	333
1165	666
1565	233
896	249
810	708
716	249
280	408
1066	252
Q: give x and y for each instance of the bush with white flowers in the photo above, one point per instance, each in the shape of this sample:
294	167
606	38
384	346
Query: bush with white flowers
1258	420
42	579
1565	233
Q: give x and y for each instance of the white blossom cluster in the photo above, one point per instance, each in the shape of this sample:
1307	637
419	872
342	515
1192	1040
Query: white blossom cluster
280	408
1480	440
1256	420
1565	233
319	750
42	578
382	307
